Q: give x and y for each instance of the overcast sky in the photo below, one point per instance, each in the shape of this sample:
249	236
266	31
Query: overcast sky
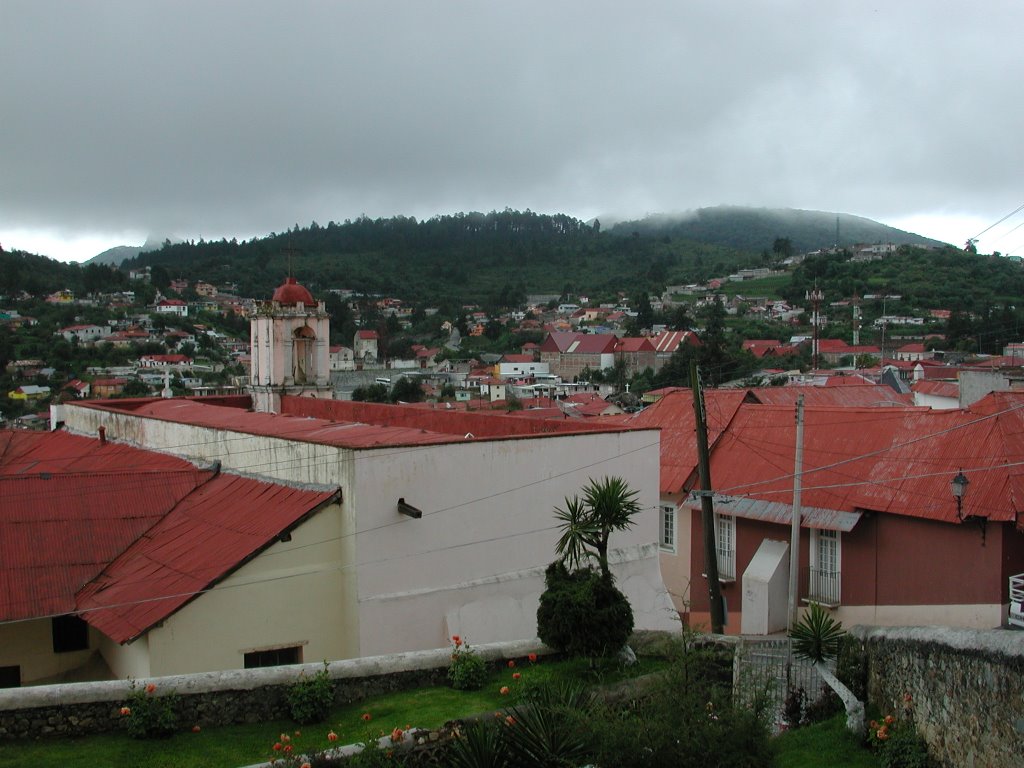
213	119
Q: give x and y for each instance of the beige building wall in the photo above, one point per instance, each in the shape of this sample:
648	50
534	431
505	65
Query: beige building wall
29	644
295	593
129	661
675	566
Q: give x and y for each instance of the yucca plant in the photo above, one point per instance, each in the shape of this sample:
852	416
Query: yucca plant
817	636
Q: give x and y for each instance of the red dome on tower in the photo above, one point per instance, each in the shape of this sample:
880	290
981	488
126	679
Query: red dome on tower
293	293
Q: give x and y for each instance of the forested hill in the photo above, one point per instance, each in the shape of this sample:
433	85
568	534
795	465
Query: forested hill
502	256
465	257
748	229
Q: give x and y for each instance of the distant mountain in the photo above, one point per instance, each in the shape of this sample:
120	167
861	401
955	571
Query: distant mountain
755	229
118	254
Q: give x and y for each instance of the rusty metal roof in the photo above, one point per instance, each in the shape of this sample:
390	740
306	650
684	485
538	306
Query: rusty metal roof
774	512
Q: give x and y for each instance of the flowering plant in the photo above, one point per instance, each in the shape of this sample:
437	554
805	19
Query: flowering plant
467	670
311	697
149	716
897	741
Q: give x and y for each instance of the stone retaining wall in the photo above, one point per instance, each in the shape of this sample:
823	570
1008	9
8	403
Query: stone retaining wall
966	689
221	698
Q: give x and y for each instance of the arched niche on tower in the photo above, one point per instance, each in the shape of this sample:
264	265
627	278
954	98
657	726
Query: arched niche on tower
304	355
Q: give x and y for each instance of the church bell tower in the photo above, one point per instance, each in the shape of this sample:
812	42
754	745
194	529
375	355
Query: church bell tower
288	338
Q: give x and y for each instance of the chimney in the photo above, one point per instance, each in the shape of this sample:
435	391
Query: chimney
103	435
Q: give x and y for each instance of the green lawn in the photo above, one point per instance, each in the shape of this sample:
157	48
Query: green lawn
238	745
824	744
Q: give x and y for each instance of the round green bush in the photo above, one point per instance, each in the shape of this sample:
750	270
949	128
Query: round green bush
582	613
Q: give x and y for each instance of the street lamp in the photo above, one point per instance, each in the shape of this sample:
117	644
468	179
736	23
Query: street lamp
958	485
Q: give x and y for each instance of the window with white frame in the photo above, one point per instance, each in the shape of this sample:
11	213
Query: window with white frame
668	529
824	582
725	546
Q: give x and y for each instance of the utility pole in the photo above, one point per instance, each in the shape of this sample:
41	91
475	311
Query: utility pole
707	510
815	296
856	320
794	533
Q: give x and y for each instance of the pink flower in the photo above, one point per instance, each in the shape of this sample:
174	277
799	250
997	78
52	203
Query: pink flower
126	710
510	720
396	735
366	717
511	663
150	688
516	675
332	736
504	690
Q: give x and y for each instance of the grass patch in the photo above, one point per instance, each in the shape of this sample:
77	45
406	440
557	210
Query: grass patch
827	743
238	745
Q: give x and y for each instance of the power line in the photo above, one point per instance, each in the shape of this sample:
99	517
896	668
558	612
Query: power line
986	229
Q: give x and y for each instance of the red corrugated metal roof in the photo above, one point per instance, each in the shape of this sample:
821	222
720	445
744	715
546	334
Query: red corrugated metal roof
634	344
73	508
69	506
937	387
851	395
673	414
896	460
204	538
667	342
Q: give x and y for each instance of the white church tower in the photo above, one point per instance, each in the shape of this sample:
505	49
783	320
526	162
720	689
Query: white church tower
289	346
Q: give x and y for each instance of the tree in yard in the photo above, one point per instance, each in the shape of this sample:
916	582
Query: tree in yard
581	612
587	524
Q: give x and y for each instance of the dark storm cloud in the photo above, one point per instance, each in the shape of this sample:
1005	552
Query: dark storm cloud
245	117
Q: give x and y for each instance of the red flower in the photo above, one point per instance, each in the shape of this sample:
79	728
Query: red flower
151	687
366	717
196	728
396	735
533	658
126	710
504	690
277	746
889	719
287	747
510	720
457	640
516	675
511	663
305	765
332	736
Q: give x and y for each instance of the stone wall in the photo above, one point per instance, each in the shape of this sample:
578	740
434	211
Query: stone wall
221	698
966	689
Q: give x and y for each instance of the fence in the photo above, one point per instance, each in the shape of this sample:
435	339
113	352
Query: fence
765	669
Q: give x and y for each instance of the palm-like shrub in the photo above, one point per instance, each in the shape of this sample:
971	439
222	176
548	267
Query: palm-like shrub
817	636
581	613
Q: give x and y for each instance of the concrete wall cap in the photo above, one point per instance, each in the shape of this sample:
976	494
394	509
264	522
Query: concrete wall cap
29	697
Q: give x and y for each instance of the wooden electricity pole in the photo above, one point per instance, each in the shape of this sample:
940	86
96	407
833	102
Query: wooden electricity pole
707	509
